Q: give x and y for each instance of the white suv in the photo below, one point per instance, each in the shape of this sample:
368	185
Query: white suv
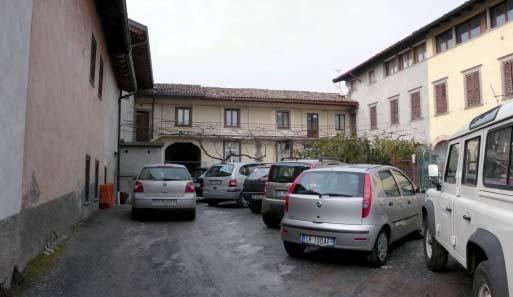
470	214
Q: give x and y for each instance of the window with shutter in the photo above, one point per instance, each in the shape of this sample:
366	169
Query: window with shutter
508	78
416	112
394	111
473	89
441	98
373	118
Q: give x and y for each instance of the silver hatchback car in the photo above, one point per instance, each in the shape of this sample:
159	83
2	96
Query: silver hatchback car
164	187
354	207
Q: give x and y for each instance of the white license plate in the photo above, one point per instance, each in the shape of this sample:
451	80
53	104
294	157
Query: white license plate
317	240
279	194
257	196
163	202
197	185
215	182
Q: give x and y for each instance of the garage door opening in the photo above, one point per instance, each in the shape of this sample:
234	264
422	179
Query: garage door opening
184	153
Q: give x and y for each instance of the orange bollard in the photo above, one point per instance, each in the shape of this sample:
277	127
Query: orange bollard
107	196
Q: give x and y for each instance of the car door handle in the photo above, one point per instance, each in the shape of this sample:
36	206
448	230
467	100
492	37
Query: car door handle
448	209
467	218
390	203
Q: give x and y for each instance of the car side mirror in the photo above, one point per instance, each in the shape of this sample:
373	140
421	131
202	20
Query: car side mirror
433	171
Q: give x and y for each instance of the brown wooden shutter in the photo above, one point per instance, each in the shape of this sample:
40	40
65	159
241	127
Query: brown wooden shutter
415	106
508	78
441	98
473	89
394	111
373	118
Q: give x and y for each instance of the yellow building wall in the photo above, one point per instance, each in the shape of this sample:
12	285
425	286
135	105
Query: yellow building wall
484	51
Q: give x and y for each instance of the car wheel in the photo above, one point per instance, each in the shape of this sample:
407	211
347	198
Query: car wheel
434	254
270	221
192	215
379	253
294	249
242	202
483	281
255	207
212	203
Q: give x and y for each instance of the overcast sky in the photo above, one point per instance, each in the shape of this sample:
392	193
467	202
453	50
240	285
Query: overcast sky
273	44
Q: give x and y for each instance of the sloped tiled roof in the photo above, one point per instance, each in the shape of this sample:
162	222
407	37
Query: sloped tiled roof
243	94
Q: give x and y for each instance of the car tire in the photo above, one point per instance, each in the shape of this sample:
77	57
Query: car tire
212	203
242	202
379	253
483	283
294	249
255	207
192	215
270	221
135	214
434	253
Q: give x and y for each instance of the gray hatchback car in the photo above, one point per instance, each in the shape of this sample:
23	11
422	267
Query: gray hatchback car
354	207
223	182
164	187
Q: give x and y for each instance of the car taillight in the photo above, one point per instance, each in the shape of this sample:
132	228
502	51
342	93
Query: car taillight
189	187
367	197
232	183
290	190
138	187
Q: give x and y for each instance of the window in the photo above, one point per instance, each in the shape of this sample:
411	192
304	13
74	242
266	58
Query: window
222	170
286	173
312	125
96	178
283	119
406	60
340	122
372	77
232	151
441	98
142	125
87	178
100	79
498	171
501	13
471	161
353	85
373	117
232	117
246	169
471	28
405	185
183	116
92	65
507	80
472	88
389	185
259	173
165	174
391	67
452	164
419	53
394	111
444	41
341	184
416	111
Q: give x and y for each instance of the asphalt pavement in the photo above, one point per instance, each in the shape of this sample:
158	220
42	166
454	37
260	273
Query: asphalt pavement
227	251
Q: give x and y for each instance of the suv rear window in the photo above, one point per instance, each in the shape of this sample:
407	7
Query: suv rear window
164	174
286	173
332	183
220	170
259	172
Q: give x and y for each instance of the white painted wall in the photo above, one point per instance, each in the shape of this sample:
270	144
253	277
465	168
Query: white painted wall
15	21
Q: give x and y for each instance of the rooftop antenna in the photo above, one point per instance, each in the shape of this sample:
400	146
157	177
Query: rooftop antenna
495	96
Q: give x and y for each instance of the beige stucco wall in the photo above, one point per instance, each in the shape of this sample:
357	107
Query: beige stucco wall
65	118
484	51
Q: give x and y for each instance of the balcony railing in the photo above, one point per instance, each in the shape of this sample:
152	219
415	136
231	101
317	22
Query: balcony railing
260	130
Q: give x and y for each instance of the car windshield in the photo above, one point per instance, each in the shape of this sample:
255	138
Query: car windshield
220	170
333	183
164	174
286	173
259	173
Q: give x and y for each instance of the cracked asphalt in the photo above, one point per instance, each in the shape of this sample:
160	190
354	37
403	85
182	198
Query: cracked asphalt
227	251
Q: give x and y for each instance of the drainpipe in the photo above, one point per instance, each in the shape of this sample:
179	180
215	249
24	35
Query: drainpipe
121	97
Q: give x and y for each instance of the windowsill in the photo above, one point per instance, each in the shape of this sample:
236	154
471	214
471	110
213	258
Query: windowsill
238	127
441	114
96	199
395	125
277	128
99	97
474	106
183	126
416	120
87	203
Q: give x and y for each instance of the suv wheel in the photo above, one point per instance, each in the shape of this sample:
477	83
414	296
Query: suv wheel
255	206
294	249
242	202
483	282
434	253
378	255
270	221
212	203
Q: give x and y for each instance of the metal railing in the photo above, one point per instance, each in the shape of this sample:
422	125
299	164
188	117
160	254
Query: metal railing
168	128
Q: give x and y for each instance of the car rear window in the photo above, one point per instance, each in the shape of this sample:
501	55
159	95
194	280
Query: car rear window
259	172
220	170
286	173
332	183
164	174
